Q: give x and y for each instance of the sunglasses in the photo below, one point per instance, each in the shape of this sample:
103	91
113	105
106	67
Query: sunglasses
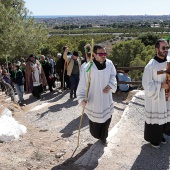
165	48
102	54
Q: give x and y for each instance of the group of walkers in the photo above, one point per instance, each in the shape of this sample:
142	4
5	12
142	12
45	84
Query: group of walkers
74	74
30	76
35	74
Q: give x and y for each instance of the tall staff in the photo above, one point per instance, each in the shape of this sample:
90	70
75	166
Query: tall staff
64	73
87	88
65	64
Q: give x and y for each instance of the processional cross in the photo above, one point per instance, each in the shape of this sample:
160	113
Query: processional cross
167	72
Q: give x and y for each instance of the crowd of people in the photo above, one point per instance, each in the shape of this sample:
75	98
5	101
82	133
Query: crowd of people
35	74
28	76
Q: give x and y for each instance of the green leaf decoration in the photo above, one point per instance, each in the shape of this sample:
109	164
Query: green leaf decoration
91	63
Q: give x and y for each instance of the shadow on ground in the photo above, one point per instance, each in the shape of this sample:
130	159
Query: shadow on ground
69	164
50	97
58	107
152	158
74	125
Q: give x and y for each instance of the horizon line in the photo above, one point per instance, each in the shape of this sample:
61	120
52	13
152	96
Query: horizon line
108	15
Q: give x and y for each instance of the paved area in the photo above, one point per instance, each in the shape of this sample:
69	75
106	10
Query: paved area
127	150
52	129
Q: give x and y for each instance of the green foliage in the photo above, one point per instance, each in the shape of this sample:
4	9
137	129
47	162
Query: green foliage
149	38
123	28
132	53
76	42
125	52
19	35
136	74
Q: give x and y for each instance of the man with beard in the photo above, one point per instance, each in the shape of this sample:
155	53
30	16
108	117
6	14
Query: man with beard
99	105
157	102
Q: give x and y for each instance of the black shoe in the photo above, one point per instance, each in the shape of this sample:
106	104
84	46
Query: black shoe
51	91
163	140
155	145
75	96
71	96
21	103
104	142
38	97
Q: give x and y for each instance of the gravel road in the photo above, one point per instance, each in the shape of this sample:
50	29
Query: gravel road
51	140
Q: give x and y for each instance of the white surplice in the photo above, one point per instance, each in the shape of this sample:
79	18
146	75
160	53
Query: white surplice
36	74
157	109
100	105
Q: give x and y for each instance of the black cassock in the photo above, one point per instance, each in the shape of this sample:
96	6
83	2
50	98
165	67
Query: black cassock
99	130
154	133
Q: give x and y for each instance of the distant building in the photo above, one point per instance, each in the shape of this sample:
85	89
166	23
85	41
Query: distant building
155	25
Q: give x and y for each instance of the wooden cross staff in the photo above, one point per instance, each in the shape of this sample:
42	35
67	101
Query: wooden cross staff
87	89
167	72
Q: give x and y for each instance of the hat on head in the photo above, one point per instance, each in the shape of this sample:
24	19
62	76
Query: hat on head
59	54
18	63
75	53
31	55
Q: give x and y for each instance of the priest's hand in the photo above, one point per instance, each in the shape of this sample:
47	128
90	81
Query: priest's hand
164	85
167	94
83	103
106	89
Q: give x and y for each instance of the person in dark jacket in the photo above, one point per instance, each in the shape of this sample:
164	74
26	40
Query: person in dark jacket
48	72
23	72
18	80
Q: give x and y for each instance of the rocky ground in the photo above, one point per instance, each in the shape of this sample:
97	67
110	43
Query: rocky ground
52	129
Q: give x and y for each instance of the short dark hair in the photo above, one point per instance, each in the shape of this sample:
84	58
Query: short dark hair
97	46
64	48
126	71
157	44
31	55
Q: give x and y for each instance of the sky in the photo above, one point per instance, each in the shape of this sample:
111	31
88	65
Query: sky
98	7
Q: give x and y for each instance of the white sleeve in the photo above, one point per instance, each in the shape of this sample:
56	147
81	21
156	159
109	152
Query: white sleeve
152	88
112	81
81	89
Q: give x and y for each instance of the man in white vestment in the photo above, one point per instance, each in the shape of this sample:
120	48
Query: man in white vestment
157	101
99	105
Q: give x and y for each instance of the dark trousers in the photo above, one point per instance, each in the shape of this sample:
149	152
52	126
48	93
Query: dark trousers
48	82
66	80
49	85
74	80
99	130
37	91
154	133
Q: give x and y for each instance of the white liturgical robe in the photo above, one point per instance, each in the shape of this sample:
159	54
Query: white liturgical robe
99	107
157	109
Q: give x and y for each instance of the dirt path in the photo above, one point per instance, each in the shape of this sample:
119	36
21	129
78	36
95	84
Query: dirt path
51	139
